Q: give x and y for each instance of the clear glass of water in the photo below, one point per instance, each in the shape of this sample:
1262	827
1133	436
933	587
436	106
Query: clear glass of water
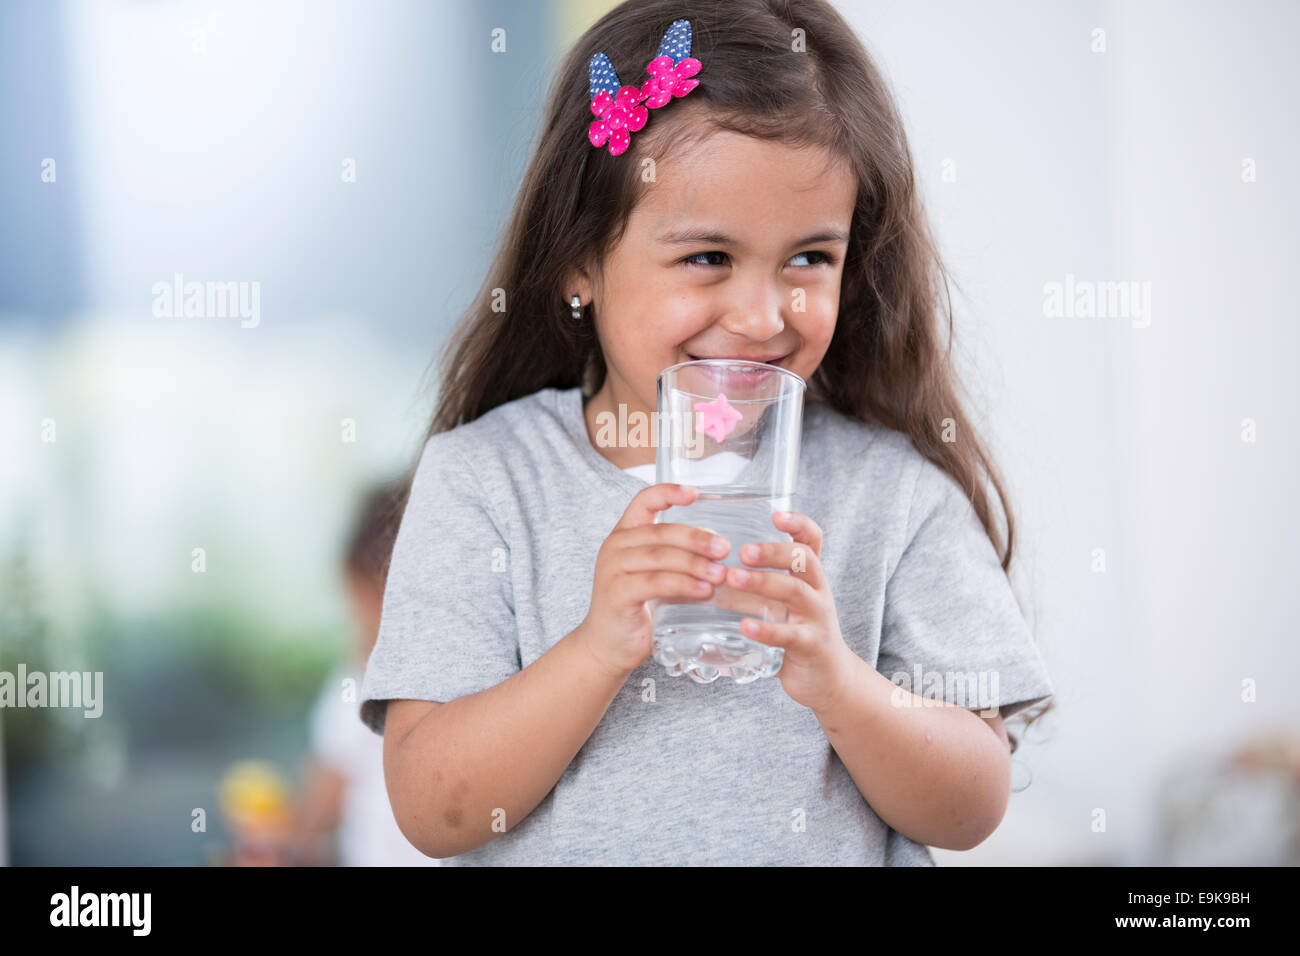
731	429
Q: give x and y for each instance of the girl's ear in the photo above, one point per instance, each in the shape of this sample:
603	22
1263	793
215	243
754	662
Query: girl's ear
578	282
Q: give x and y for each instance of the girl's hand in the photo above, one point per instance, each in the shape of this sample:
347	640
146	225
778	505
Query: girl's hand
641	560
817	661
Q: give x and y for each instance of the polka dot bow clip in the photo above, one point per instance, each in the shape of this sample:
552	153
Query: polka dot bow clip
622	110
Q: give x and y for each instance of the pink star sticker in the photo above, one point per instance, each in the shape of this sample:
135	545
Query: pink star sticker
719	417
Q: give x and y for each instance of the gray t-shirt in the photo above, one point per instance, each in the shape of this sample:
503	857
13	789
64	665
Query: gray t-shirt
493	564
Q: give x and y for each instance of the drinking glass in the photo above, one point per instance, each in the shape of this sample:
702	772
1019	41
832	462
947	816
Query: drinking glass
730	428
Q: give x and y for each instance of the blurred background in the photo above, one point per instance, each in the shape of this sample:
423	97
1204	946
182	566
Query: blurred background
178	494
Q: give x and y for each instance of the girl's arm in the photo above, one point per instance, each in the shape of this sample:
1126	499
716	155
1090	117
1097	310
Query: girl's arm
462	772
930	769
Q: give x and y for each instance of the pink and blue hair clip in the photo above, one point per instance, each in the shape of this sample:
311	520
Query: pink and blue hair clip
622	110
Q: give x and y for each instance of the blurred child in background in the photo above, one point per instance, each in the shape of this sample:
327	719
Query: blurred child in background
343	815
254	799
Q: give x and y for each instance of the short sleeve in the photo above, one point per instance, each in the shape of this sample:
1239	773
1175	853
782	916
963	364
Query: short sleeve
447	628
951	620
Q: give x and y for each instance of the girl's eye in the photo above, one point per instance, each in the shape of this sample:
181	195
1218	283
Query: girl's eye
825	259
690	260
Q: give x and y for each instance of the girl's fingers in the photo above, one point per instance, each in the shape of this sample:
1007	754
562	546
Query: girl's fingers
793	637
662	576
798	558
666	557
790	589
645	585
650	501
800	527
746	602
698	540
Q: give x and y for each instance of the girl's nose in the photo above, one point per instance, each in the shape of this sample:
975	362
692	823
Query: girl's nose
757	312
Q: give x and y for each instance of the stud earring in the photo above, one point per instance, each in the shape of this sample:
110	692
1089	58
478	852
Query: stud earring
575	306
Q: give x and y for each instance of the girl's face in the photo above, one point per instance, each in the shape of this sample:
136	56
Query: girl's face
734	251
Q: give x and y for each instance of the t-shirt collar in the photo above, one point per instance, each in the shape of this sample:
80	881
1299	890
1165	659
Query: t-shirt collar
571	411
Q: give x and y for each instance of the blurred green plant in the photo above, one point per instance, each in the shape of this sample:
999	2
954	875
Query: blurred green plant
186	677
24	635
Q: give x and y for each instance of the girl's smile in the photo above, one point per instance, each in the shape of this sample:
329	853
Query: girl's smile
776	360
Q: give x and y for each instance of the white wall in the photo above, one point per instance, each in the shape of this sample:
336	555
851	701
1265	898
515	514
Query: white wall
1118	434
1211	521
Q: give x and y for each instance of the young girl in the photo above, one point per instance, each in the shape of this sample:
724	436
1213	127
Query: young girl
748	193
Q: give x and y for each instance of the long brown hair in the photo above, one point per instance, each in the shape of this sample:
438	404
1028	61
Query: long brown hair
887	362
